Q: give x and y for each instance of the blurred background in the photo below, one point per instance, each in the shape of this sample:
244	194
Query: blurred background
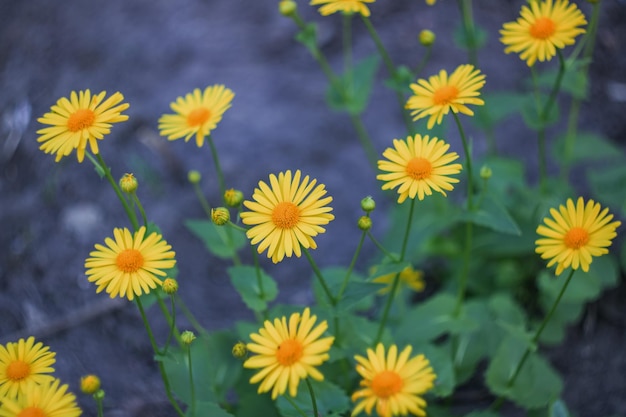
152	51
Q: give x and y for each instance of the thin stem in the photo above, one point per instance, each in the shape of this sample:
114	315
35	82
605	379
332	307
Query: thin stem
294	405
346	279
99	405
189	315
468	162
465	271
218	168
312	394
366	141
470	30
382	248
320	277
171	319
203	201
191	384
141	210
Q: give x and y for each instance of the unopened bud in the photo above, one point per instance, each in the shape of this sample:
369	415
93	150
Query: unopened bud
368	204
170	286
90	384
220	216
427	37
187	337
194	176
233	198
240	350
365	223
485	172
128	183
287	7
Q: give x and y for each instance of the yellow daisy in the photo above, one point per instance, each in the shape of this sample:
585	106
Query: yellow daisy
288	351
129	265
410	277
198	113
42	400
542	27
575	234
440	94
287	214
22	362
345	6
81	120
392	383
418	165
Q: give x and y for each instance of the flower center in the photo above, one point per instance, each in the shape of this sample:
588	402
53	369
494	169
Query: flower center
289	352
386	383
543	28
286	215
32	412
80	119
18	370
129	260
576	238
198	116
445	95
419	168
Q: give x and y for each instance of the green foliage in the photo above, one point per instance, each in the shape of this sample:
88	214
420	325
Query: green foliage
221	241
331	401
351	91
255	286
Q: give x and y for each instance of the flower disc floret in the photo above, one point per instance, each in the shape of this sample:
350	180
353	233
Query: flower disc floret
130	264
286	214
23	362
575	234
196	114
392	383
81	120
417	166
287	351
542	28
344	6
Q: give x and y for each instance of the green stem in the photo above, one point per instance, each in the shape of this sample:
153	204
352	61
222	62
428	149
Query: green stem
191	384
294	405
189	315
166	382
312	394
99	405
320	277
171	320
366	141
382	248
346	279
469	28
396	279
218	168
465	271
141	210
203	202
468	162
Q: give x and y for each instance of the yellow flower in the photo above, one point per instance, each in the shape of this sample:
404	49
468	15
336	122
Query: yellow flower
22	362
345	6
288	351
440	94
198	113
287	214
81	120
392	383
575	234
541	28
431	2
408	276
42	400
89	384
418	166
129	265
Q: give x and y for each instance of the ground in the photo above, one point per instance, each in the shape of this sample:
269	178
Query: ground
156	50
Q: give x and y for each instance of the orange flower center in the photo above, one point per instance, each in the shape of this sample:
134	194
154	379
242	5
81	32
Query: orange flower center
289	352
80	119
32	412
198	116
445	95
18	370
286	215
386	383
576	238
543	28
129	260
419	168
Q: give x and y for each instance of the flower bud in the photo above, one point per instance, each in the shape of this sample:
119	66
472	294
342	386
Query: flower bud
287	7
194	176
128	183
187	337
170	286
240	350
365	223
431	2
99	395
220	216
485	172
233	198
368	204
90	384
427	37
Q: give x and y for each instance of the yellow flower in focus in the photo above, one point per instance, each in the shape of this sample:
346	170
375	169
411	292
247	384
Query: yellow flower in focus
287	214
543	26
410	277
129	264
440	94
417	166
198	113
575	234
288	351
391	383
83	119
345	6
42	400
23	362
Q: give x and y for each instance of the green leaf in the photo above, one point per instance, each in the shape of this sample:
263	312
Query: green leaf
400	80
531	114
608	184
588	146
207	409
493	215
357	295
251	404
482	414
331	400
559	409
219	240
462	40
441	361
245	279
498	106
574	80
308	37
537	383
351	92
